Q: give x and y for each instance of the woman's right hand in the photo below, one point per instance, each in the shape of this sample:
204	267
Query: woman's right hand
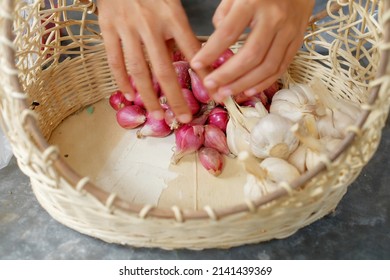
129	26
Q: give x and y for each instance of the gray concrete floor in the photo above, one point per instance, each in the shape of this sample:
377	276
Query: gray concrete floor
358	229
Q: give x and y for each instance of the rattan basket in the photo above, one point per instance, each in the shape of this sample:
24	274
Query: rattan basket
347	50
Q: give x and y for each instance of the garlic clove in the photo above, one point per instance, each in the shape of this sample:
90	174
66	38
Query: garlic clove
279	170
298	158
237	138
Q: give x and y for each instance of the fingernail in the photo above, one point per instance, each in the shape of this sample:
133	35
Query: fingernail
158	114
184	118
128	96
250	92
209	83
197	65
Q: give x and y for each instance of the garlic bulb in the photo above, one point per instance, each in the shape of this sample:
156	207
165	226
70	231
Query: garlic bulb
241	122
339	113
277	170
272	136
313	157
336	122
306	158
294	102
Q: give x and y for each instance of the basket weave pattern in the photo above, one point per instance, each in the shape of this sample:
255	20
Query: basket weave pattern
347	50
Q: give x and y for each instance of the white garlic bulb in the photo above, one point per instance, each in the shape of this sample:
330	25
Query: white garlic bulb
277	170
294	103
241	122
272	137
339	114
306	158
313	158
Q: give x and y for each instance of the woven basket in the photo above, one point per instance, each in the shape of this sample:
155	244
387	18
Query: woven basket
347	49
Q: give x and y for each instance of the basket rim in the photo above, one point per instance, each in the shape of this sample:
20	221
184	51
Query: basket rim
111	200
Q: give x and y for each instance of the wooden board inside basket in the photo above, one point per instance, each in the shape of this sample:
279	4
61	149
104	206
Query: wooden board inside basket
139	170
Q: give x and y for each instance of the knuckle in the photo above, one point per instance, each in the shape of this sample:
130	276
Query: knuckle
164	71
270	68
279	14
251	57
135	68
115	61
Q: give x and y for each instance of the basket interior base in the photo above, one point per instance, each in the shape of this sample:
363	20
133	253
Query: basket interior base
139	170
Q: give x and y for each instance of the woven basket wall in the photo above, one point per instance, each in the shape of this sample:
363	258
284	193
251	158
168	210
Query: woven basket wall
347	50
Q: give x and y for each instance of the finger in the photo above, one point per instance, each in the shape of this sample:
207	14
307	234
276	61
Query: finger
269	67
249	56
116	62
140	73
221	11
290	53
166	75
225	35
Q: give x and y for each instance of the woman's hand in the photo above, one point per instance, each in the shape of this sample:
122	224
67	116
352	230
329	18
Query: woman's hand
126	26
276	32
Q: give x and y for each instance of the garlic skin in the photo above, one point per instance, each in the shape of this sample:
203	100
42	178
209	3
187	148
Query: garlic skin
338	115
298	158
277	170
335	123
237	138
313	158
304	158
294	103
272	137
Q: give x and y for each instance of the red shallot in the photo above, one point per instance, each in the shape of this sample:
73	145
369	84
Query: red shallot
198	89
188	138
183	77
271	90
219	117
223	58
118	101
215	138
177	55
154	128
211	160
130	116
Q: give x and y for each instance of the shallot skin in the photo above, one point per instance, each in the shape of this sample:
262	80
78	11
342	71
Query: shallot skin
117	100
218	117
215	138
154	128
225	56
188	139
199	91
130	117
211	160
183	77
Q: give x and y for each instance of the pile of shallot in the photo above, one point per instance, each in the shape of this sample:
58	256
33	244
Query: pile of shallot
277	134
205	134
